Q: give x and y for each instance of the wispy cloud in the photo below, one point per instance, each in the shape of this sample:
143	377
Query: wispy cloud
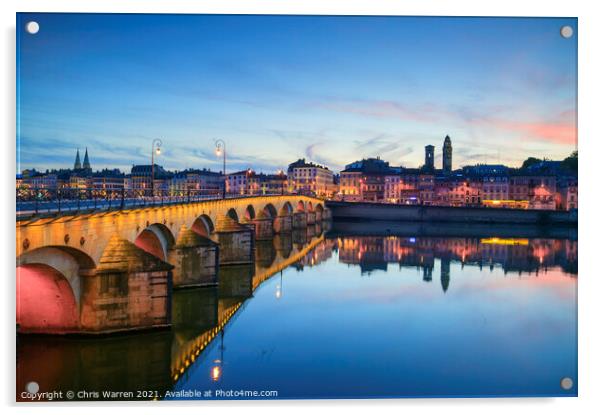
498	119
384	109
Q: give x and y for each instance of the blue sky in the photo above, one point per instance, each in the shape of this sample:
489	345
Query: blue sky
277	88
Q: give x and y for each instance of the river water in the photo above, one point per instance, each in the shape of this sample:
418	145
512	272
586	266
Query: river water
338	315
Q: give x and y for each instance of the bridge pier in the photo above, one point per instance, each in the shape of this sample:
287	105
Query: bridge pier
283	224
318	215
299	237
311	231
299	220
319	228
236	242
195	259
265	254
236	282
131	289
283	244
264	228
194	311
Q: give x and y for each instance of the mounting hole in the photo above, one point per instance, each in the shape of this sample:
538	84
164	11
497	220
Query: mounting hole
566	383
32	27
32	387
566	32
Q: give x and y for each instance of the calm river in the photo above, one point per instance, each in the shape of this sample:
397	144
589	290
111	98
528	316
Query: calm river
337	315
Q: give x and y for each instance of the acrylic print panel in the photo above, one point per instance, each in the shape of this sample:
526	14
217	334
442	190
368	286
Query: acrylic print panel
291	207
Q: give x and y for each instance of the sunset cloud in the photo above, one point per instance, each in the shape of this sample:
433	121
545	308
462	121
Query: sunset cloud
385	109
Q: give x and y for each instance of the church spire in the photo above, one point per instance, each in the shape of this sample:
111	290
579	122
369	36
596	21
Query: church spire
86	161
78	164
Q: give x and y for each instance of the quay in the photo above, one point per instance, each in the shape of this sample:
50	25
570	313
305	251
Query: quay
367	211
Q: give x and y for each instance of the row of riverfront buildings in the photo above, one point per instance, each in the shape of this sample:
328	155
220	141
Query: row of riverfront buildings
543	184
301	177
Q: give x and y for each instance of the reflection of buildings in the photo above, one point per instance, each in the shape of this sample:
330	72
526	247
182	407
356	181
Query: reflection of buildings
373	253
445	273
319	254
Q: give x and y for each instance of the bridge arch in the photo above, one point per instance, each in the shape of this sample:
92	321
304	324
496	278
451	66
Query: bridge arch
286	209
46	302
249	213
310	207
156	239
270	210
319	208
232	214
49	288
203	225
300	206
69	262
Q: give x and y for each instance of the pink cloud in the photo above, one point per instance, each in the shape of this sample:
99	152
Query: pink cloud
562	130
559	133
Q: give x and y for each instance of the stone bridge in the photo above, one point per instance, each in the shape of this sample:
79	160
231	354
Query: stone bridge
99	272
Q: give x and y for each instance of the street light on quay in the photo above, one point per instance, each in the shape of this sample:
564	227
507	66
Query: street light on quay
155	148
220	149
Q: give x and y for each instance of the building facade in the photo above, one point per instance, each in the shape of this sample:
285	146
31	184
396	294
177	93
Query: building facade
447	155
310	179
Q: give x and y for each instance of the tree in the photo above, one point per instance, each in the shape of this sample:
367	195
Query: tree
571	162
530	162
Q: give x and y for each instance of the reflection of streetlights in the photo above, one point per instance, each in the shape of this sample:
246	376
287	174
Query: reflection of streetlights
220	148
279	288
216	370
155	148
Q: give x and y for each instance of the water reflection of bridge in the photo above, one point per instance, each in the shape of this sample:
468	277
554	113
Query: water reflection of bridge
155	360
236	285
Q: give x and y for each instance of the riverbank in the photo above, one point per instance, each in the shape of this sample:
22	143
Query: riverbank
350	211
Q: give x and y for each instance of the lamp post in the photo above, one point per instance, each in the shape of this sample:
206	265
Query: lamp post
249	189
155	148
220	147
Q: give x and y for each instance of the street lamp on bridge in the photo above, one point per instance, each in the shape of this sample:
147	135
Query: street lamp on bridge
220	149
155	148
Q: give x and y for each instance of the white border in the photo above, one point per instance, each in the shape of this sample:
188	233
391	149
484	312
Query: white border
590	136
